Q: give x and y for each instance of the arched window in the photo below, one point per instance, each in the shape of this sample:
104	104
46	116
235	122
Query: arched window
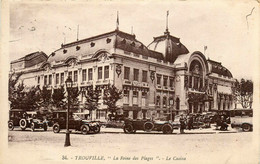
177	103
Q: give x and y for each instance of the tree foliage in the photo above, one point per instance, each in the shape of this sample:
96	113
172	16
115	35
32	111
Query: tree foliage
243	92
92	98
58	97
45	95
74	93
111	96
20	96
12	85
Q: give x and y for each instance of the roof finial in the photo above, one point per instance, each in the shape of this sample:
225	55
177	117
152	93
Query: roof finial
117	21
167	20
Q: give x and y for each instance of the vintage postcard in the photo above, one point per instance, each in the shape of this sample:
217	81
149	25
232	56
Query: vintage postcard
130	82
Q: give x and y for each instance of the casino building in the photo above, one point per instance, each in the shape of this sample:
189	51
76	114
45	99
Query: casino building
159	78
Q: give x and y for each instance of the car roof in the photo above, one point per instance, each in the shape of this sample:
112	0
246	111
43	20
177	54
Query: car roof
31	112
17	110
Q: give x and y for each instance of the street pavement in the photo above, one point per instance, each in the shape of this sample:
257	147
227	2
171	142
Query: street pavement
114	146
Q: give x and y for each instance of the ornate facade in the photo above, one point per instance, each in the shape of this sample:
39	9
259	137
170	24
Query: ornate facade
159	78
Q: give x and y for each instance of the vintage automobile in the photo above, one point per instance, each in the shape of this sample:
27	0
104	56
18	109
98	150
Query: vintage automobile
75	122
26	119
242	118
148	125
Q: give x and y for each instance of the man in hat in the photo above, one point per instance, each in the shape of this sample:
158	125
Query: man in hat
182	122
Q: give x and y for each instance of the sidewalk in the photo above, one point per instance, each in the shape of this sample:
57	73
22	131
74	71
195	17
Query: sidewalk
211	130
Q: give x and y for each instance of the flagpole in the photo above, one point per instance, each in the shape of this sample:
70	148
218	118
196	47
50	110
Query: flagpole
167	20
117	21
78	33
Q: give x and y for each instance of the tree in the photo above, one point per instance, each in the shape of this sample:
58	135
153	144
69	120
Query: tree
111	96
32	98
243	93
12	87
45	95
74	93
17	96
58	97
92	98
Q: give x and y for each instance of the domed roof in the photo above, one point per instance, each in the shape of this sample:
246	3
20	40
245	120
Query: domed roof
169	46
218	68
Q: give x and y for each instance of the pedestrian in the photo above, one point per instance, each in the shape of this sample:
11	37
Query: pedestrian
190	122
182	122
224	124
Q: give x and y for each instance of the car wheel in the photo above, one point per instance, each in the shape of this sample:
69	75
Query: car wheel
128	128
167	129
23	124
97	130
246	127
11	126
84	129
148	126
45	127
32	127
56	128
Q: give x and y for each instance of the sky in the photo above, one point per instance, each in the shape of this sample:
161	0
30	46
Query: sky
227	29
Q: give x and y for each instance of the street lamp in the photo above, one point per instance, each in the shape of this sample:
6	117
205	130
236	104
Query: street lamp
68	83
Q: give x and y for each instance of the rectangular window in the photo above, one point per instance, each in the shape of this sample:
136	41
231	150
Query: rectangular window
164	102
62	78
106	72
165	79
126	73
57	78
158	79
39	78
144	94
84	75
75	76
135	97
136	74
144	77
126	97
99	72
171	82
45	80
158	100
90	73
70	75
50	79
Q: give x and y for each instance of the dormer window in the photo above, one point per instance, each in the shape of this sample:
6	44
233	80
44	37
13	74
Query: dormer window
141	46
92	44
133	44
52	54
123	41
65	51
108	40
78	48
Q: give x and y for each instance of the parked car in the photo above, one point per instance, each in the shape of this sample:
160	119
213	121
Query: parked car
75	122
242	118
26	119
131	126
